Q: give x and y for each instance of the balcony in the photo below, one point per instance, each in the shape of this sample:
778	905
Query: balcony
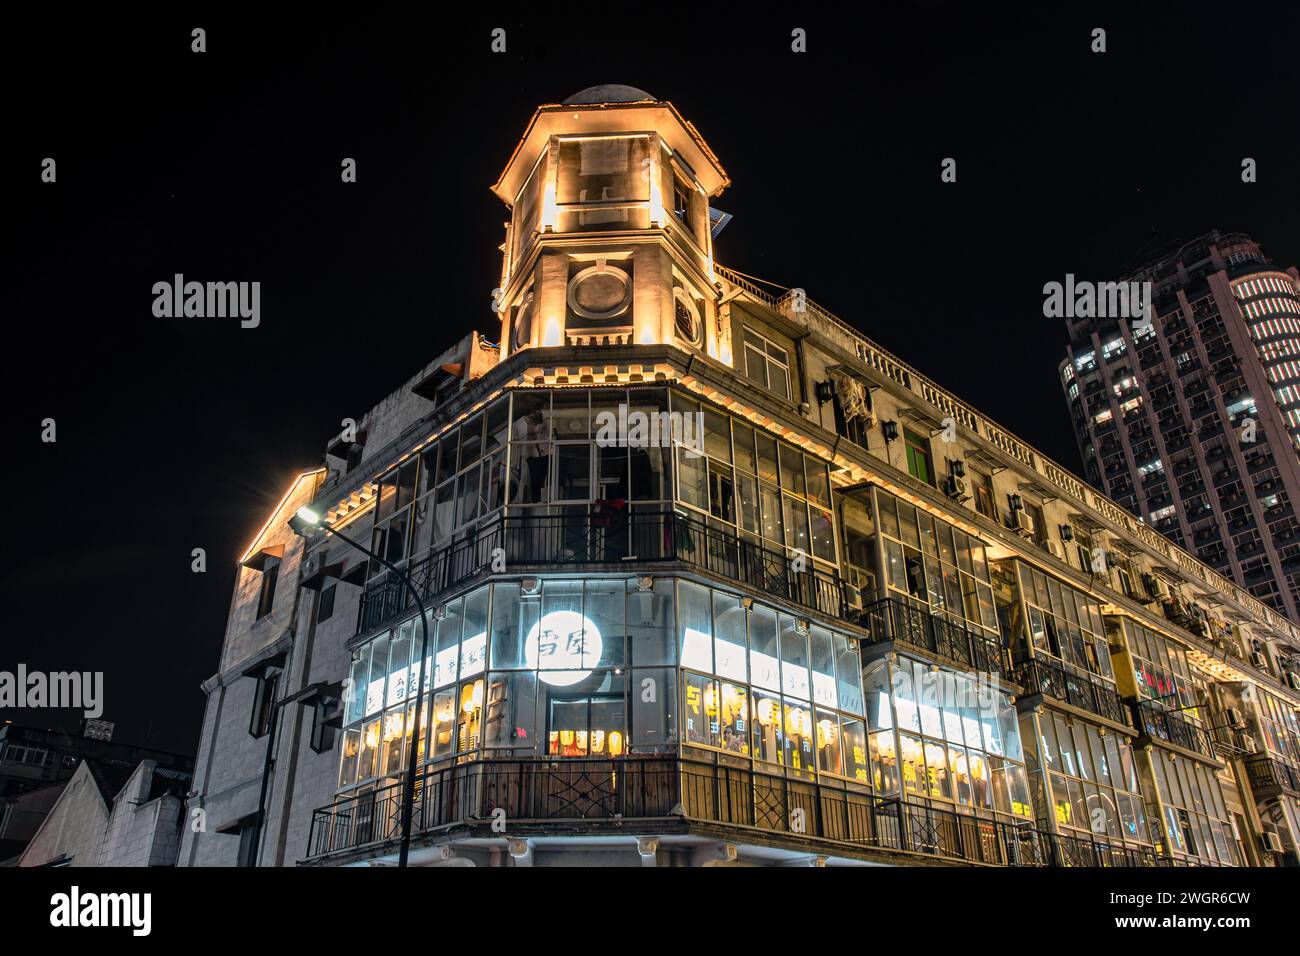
1039	676
1269	777
665	794
611	540
1156	723
890	619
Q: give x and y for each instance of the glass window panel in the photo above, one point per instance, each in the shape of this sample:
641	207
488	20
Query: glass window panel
830	756
824	693
938	781
766	445
770	501
769	740
794	660
654	710
798	735
510	718
604	606
444	723
652	625
743	443
733	718
819	482
848	674
473	649
701	710
853	749
729	649
697	627
884	762
764	651
796	525
888	515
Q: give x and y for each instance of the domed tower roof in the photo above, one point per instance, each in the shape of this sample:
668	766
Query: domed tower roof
608	93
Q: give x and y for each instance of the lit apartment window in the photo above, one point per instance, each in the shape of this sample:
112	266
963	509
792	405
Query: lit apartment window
919	464
266	597
767	364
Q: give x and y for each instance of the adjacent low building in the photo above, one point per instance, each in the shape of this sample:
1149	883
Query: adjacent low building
712	579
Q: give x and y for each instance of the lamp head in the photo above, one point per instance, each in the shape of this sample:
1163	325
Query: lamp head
306	522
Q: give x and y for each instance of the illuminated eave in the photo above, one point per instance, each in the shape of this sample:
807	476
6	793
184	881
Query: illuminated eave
270	521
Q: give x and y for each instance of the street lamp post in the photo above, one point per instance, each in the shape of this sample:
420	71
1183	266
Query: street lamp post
307	521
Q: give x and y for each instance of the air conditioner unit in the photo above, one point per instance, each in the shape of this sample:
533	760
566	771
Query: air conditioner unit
1234	719
1056	549
1248	744
956	488
1270	841
1259	660
1021	523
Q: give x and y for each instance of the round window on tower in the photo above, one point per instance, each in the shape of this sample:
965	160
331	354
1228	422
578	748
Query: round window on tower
600	292
687	318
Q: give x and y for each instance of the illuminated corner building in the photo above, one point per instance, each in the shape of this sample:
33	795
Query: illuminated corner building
1162	418
808	632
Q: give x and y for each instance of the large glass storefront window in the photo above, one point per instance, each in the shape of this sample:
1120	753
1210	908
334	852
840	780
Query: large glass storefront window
1196	822
943	736
762	685
929	561
1094	780
599	668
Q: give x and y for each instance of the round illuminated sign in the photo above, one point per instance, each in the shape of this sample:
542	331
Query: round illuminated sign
562	646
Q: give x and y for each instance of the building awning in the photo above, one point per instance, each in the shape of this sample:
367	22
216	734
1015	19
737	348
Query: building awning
258	560
429	386
327	573
1086	522
989	461
355	574
1042	491
338	448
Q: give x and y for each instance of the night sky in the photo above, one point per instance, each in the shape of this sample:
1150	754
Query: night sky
182	433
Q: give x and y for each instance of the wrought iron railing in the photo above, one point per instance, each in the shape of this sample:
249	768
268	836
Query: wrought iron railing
1040	676
1266	772
1156	722
608	538
666	789
890	619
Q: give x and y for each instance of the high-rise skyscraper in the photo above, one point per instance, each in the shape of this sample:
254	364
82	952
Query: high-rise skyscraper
1192	421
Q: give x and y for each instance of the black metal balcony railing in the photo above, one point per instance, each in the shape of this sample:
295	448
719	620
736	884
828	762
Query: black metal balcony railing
618	537
664	790
1265	772
1156	722
1039	676
890	619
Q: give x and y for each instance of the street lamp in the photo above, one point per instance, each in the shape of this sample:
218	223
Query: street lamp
307	522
